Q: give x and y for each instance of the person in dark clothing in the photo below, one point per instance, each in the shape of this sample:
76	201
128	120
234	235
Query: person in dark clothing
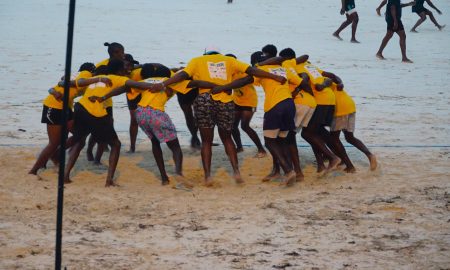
423	13
394	25
348	8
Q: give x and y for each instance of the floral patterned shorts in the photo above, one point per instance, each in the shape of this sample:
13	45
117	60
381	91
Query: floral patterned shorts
156	123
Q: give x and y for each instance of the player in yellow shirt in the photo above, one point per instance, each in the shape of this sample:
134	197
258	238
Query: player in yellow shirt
52	116
344	120
215	109
153	119
315	133
279	113
115	51
133	98
245	101
310	131
93	118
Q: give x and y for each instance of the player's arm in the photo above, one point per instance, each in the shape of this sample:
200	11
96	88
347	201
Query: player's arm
382	4
412	3
433	6
83	82
264	74
115	92
233	85
342	7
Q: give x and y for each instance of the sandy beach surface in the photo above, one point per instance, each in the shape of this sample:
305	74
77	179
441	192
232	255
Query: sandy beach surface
396	217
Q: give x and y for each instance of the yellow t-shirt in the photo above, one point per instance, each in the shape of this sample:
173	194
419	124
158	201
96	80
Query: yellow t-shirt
135	75
102	63
158	100
98	109
274	91
246	95
216	68
324	97
51	102
344	103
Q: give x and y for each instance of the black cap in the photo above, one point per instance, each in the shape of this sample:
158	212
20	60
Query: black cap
129	58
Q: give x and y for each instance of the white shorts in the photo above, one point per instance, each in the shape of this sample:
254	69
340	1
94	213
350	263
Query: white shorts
351	11
344	122
303	114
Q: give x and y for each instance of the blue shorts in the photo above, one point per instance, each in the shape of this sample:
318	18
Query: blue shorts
281	116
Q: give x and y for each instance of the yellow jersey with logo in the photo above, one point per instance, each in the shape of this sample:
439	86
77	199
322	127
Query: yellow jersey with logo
324	97
274	91
216	68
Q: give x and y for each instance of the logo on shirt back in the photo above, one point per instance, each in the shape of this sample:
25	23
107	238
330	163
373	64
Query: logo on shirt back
154	80
217	70
312	70
278	71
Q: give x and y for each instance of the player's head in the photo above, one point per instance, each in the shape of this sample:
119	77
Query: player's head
269	50
287	53
115	50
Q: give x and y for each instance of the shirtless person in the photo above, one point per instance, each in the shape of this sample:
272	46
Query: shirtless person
348	7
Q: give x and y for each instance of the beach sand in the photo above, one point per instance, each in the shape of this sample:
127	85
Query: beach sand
396	217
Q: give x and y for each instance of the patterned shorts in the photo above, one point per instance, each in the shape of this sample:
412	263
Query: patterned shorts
209	112
156	123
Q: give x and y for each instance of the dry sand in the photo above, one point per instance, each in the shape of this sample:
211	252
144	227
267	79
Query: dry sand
394	218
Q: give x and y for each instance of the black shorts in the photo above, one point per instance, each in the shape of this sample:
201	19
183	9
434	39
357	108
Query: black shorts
209	112
244	108
187	98
323	115
419	10
390	26
101	128
133	103
52	116
281	116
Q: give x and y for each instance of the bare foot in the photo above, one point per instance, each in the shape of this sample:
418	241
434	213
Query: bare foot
321	168
289	179
260	154
180	179
413	31
271	176
373	162
238	178
209	182
299	177
336	35
67	181
132	150
350	170
333	164
406	60
110	183
440	27
354	41
239	149
380	56
165	182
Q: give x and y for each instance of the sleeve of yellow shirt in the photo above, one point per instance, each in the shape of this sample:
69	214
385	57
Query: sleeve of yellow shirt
191	67
181	87
135	75
293	78
240	66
